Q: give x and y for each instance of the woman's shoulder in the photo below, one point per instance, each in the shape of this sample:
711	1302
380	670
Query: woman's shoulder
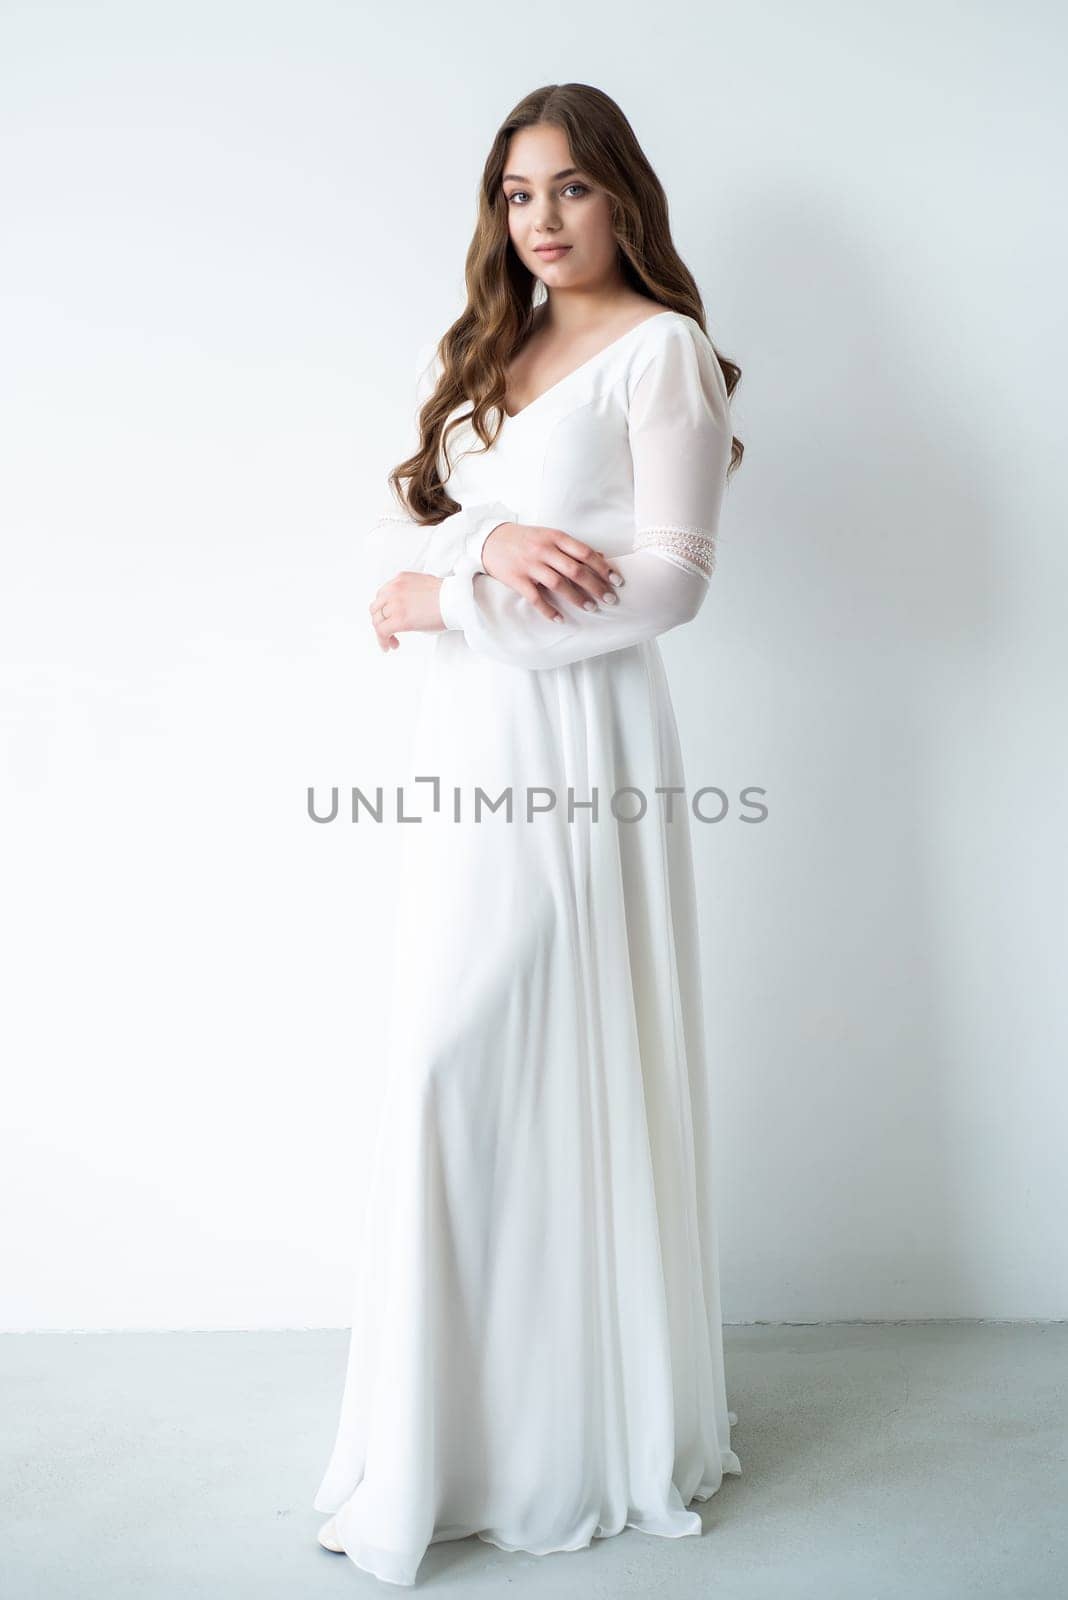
664	335
674	345
666	330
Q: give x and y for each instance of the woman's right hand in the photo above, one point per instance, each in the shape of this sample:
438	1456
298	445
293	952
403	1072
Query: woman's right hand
543	563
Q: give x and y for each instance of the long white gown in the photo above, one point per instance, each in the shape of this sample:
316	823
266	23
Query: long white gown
536	1353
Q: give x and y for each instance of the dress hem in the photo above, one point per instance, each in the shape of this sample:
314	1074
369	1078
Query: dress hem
369	1558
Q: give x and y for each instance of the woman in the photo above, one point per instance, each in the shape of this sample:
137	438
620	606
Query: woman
536	1353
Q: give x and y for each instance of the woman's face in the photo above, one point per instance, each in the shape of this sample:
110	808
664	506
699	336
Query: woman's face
552	202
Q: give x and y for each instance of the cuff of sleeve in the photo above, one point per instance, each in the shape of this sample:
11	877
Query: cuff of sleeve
483	520
456	596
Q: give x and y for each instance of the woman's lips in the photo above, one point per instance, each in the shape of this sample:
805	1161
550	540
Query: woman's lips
554	253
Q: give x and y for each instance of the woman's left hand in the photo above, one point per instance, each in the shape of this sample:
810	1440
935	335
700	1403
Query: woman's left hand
408	603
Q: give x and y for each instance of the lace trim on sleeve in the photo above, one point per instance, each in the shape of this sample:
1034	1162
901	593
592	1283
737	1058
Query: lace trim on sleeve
691	548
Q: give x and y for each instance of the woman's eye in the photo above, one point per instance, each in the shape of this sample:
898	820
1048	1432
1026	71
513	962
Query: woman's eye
518	194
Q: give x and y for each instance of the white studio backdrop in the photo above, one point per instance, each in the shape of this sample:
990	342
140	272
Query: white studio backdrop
228	231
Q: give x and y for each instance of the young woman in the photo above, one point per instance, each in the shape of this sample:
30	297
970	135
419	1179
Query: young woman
536	1353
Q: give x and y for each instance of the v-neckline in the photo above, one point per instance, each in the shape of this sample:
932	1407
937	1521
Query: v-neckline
513	416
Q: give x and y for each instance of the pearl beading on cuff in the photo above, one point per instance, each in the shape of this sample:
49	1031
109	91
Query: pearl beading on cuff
691	548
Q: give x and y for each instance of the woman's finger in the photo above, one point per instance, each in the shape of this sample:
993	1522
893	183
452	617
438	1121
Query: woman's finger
586	579
540	601
586	555
572	580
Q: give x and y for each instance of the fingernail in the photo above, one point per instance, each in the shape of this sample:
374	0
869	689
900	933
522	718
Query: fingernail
615	577
611	599
557	617
589	605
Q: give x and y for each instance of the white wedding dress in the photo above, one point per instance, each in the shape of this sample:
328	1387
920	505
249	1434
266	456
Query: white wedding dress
536	1352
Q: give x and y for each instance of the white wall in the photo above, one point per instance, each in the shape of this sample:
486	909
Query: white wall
228	230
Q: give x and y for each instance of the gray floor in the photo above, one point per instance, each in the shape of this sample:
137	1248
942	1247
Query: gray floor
879	1461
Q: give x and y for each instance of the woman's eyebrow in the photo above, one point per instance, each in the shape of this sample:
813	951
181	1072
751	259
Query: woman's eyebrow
520	179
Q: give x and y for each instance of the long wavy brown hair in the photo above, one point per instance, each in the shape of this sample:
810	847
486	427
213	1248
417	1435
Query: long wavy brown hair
476	351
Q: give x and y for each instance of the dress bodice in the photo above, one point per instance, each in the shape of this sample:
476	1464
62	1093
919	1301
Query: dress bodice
564	460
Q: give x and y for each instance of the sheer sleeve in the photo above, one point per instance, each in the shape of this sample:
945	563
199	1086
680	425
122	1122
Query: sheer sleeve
395	542
680	436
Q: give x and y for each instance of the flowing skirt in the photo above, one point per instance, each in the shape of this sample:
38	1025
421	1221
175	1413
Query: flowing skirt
536	1353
